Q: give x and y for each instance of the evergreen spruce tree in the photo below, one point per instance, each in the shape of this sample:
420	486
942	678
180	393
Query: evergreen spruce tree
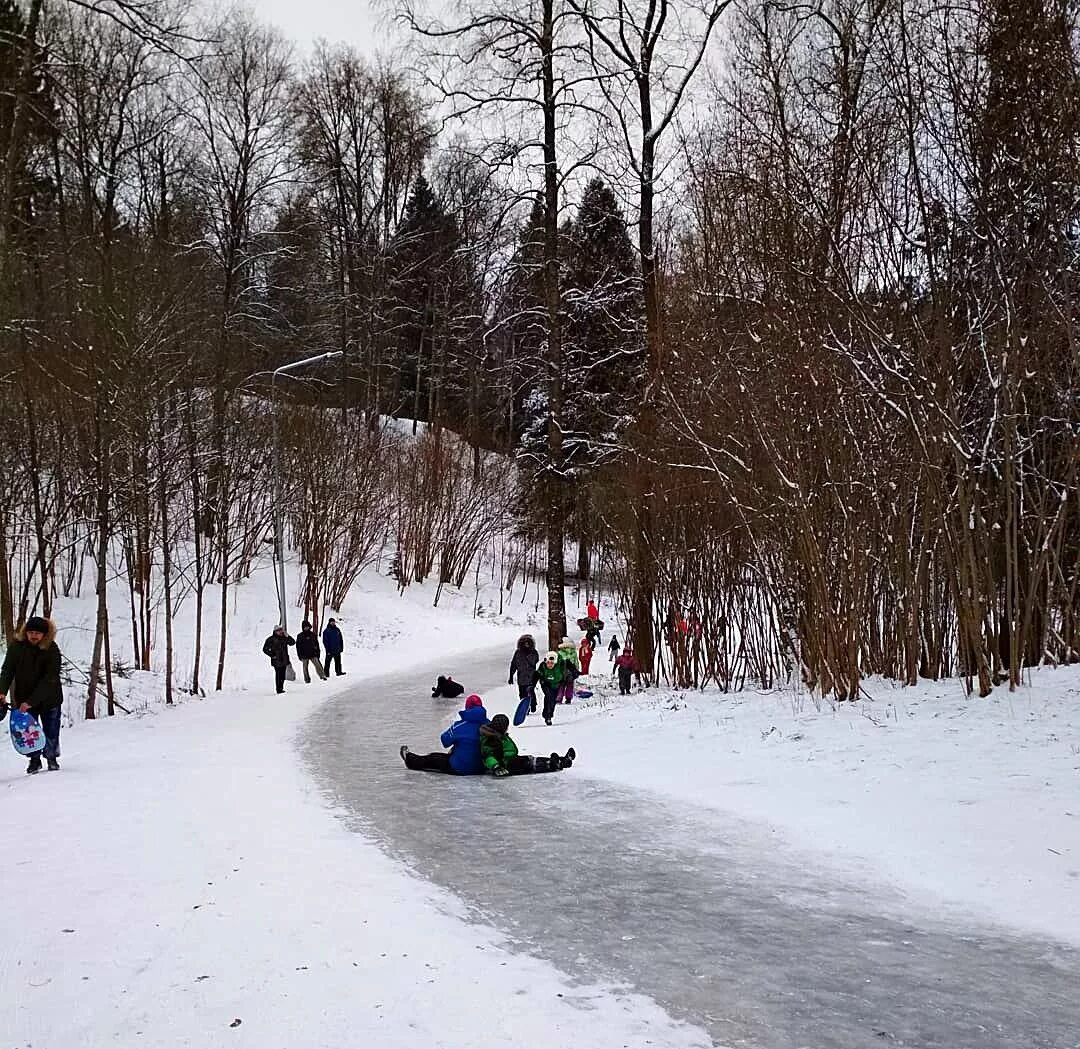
605	349
524	331
421	296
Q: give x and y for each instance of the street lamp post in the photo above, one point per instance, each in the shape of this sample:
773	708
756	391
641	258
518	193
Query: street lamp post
279	493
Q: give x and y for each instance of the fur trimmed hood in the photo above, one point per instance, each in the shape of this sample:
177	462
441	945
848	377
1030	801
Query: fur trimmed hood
46	641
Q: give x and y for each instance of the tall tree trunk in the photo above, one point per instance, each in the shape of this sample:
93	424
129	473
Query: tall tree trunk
200	567
101	442
7	605
166	553
556	508
643	497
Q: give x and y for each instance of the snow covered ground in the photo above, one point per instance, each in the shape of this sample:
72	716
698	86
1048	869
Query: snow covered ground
389	630
181	884
184	874
968	805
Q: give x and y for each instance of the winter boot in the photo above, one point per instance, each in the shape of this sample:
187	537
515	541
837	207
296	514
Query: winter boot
54	765
404	752
570	755
547	721
554	762
35	765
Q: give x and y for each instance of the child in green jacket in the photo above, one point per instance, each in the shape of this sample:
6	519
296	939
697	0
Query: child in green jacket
550	673
500	754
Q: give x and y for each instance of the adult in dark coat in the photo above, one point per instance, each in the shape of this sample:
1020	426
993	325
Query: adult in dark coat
523	664
307	650
333	645
31	675
276	646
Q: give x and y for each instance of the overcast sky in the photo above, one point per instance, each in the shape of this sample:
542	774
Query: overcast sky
355	22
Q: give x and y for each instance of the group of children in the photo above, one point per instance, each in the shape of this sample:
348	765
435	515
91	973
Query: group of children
477	744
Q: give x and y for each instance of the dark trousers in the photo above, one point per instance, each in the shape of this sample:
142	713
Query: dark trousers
336	657
624	681
551	695
527	690
315	662
279	678
524	765
428	762
50	725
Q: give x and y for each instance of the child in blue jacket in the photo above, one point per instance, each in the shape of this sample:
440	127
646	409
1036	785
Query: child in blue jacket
463	740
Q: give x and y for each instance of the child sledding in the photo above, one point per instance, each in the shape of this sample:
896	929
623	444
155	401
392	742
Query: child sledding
477	746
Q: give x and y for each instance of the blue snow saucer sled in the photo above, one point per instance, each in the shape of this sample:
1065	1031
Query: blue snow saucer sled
26	735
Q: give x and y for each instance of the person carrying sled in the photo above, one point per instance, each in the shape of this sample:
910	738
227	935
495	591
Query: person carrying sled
523	664
307	650
549	674
585	653
31	675
333	645
276	646
501	757
463	741
568	659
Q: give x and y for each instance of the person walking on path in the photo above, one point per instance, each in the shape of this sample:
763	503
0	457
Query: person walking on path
549	674
523	664
333	645
568	660
501	757
625	666
31	675
307	649
462	738
613	649
276	646
585	651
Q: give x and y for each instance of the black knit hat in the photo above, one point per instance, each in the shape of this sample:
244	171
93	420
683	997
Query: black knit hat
37	625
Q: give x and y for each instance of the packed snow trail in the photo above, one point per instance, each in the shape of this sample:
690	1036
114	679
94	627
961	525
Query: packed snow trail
704	914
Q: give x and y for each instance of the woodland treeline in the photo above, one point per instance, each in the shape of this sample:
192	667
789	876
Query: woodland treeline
767	311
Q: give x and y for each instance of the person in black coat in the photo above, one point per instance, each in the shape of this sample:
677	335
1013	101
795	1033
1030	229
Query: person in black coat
31	674
307	650
446	687
333	645
276	646
523	664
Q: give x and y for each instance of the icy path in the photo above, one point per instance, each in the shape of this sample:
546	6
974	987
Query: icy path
181	885
693	909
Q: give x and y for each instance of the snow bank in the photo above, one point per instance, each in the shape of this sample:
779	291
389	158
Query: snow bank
385	629
181	884
965	804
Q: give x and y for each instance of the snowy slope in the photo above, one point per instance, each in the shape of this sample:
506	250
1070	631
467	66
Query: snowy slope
967	805
181	884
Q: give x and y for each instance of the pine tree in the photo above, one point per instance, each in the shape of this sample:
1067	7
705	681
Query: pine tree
1028	183
605	350
22	189
421	296
524	331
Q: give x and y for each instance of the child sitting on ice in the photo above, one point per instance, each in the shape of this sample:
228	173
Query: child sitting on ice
446	687
501	757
